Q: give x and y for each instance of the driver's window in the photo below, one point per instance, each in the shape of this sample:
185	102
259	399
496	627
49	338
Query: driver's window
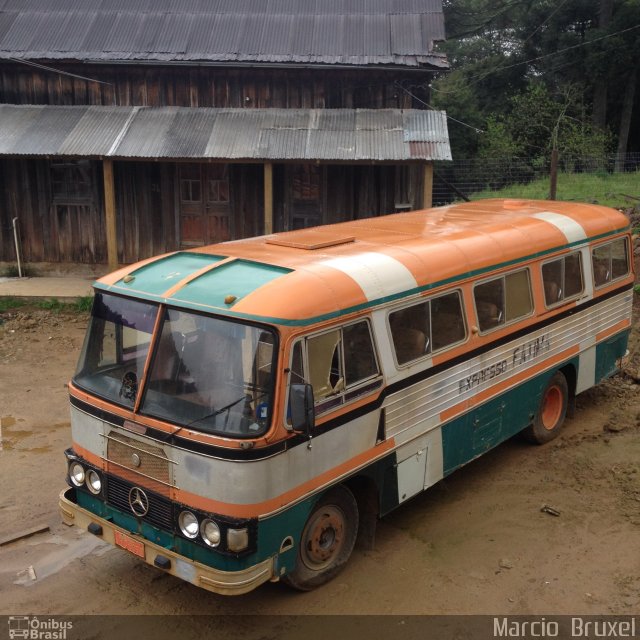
341	364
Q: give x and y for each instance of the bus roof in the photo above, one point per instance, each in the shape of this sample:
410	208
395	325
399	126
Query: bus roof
300	277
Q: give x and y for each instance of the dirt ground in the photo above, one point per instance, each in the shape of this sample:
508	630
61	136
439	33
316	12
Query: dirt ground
479	542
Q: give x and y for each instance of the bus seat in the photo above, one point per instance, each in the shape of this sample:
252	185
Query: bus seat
552	292
488	314
409	344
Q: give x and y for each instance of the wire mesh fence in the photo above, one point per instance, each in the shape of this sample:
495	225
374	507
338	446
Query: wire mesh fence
581	178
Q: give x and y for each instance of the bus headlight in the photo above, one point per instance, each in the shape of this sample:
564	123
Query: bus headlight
93	482
237	539
210	532
188	524
76	474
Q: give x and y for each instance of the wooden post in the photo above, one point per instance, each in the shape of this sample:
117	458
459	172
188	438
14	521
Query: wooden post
427	188
553	175
110	213
268	197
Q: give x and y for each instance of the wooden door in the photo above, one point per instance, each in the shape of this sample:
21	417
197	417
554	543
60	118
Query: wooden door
304	196
205	204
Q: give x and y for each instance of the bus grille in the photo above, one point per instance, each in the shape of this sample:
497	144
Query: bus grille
160	512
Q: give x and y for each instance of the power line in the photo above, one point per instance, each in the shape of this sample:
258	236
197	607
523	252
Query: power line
482	76
426	104
58	71
553	13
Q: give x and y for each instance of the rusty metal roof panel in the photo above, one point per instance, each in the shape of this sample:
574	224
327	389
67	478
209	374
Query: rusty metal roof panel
330	144
15	122
96	132
236	133
283	144
385	144
341	135
351	32
146	134
36	131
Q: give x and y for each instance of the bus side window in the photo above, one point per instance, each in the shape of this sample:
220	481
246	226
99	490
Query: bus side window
410	332
503	299
447	321
610	262
489	298
562	279
337	362
359	356
325	370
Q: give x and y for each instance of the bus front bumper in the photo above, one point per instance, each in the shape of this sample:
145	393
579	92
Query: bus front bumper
223	582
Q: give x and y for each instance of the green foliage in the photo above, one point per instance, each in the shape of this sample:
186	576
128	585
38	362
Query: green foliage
11	271
535	67
604	188
9	302
80	305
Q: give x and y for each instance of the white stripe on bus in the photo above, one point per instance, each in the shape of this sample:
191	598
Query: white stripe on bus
572	230
377	274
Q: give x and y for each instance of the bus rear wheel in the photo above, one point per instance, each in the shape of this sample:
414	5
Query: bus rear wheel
549	419
327	540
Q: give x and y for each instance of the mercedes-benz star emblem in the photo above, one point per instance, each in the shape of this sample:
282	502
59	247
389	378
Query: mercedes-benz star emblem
138	501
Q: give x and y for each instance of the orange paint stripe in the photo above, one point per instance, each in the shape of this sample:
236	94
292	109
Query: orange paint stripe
289	497
259	508
508	383
619	326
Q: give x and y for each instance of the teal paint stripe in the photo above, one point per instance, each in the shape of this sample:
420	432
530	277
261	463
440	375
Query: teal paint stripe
372	303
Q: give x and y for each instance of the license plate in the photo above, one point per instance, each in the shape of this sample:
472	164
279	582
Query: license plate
127	542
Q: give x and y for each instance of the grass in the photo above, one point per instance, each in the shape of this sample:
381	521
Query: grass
80	305
601	188
8	302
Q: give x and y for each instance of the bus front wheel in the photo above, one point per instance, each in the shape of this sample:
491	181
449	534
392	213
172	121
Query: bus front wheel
327	540
549	419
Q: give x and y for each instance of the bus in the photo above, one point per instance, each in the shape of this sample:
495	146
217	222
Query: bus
244	412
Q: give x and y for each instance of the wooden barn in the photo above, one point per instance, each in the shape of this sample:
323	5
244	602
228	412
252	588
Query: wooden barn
130	128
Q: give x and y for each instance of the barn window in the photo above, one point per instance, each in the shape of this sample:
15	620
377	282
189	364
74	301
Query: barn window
71	182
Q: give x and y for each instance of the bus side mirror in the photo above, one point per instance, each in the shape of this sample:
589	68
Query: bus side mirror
302	408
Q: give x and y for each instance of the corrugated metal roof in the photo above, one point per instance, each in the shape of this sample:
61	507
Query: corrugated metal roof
349	32
339	135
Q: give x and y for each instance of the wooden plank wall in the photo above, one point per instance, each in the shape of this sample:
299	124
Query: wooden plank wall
206	87
49	232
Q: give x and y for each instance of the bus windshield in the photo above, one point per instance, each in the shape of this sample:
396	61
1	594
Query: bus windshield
206	373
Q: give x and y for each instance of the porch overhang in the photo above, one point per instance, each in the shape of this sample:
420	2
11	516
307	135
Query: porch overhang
226	135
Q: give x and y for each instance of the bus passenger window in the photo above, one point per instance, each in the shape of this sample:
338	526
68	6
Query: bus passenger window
410	332
610	262
503	299
489	298
562	279
447	321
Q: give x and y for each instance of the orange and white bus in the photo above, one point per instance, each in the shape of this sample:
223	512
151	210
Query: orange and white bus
242	412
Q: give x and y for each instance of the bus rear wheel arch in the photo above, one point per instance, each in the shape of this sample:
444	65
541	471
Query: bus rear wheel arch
552	410
327	540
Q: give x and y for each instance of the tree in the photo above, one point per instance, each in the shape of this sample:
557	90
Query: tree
581	52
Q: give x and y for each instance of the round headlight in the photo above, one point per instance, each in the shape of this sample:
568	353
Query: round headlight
76	473
188	524
210	532
94	484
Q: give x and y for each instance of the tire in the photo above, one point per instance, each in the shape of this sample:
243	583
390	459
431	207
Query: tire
327	540
549	418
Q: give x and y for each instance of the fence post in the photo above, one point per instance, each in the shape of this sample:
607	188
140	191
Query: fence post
554	175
